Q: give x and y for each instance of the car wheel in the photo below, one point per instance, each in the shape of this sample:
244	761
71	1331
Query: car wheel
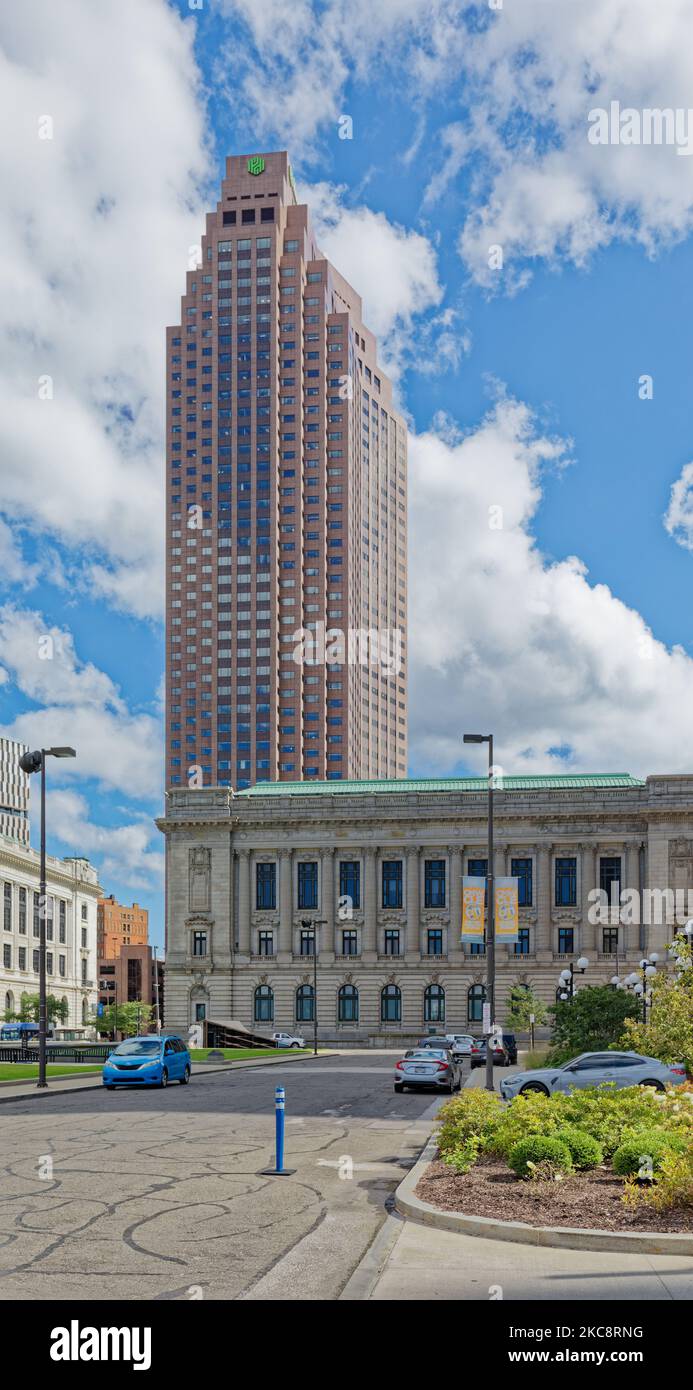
110	1088
398	1088
294	1044
185	1077
657	1084
534	1086
164	1078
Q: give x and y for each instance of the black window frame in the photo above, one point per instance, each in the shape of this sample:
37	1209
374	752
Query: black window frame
350	881
524	876
391	881
266	887
435	884
307	884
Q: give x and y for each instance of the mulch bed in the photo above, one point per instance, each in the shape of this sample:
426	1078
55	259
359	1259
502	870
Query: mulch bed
591	1200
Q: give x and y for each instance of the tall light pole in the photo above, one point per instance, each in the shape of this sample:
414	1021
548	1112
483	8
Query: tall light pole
490	907
36	762
566	979
309	923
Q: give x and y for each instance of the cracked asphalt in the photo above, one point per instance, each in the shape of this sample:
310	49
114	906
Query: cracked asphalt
159	1195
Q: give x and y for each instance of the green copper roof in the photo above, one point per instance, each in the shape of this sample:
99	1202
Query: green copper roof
588	781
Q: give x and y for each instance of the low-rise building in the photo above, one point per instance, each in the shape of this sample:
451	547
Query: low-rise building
373	872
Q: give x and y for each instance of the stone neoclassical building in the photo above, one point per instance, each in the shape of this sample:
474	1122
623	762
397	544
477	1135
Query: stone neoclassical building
375	869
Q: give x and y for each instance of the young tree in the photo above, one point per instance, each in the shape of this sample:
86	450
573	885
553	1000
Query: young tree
591	1021
668	1033
522	1004
128	1018
29	1009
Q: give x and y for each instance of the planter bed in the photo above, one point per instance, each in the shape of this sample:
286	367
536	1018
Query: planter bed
589	1200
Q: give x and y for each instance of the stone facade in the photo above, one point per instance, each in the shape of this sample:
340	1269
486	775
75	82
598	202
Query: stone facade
237	891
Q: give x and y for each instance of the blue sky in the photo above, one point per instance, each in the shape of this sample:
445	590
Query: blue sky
570	628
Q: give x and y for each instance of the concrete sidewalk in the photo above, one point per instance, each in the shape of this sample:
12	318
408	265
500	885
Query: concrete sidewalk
28	1090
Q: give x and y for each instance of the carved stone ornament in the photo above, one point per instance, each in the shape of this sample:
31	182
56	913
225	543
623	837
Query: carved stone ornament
199	879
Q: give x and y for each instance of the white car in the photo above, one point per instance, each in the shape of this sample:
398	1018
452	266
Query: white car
287	1040
461	1043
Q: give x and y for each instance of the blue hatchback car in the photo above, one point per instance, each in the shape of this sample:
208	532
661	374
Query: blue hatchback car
148	1061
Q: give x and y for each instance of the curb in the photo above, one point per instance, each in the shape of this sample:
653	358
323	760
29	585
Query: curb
561	1237
208	1069
362	1281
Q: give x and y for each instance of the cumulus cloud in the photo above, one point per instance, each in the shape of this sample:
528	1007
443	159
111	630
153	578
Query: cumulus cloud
127	852
101	203
565	673
678	518
80	706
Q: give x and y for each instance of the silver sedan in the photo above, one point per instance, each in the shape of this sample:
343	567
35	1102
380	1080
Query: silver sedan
595	1069
426	1067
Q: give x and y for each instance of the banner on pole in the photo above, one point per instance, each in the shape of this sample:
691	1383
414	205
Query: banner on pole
507	917
473	894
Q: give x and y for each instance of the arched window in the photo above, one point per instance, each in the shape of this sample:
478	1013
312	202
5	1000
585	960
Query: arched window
264	1005
9	1002
434	1004
391	1004
348	1004
304	1004
476	995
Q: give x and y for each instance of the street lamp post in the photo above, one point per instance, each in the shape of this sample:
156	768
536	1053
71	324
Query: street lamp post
638	982
490	907
309	923
566	979
36	762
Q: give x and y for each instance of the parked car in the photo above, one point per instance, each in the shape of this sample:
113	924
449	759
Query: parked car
151	1060
461	1043
426	1067
436	1040
288	1040
510	1042
500	1053
594	1069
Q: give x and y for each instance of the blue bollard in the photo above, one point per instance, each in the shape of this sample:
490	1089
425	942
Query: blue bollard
279	1171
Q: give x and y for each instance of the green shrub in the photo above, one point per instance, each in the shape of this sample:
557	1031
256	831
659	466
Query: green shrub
473	1113
672	1188
609	1114
523	1117
464	1155
634	1152
544	1151
585	1151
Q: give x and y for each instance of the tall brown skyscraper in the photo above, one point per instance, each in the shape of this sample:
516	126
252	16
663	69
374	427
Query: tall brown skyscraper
286	509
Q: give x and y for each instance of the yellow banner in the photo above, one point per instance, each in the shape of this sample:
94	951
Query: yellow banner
473	894
507	917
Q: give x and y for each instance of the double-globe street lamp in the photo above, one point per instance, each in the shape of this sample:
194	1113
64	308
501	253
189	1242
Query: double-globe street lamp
566	979
490	908
36	762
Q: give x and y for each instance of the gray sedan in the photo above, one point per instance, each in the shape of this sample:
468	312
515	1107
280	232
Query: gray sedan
427	1067
594	1069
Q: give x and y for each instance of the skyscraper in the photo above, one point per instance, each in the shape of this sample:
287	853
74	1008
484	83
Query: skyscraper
286	509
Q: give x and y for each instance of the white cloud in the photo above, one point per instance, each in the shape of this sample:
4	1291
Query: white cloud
393	268
96	225
128	853
528	648
81	707
678	519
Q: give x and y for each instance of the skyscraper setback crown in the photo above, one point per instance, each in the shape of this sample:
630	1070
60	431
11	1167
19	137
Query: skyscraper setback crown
286	509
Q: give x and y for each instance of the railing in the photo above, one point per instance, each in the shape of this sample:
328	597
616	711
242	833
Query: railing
57	1052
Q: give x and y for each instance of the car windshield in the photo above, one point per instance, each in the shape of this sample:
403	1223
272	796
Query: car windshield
425	1054
138	1047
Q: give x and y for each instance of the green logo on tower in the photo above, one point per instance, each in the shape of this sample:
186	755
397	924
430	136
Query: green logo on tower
256	164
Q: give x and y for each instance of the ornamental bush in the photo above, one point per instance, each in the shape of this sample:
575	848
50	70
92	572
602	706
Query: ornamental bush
545	1152
525	1116
673	1185
642	1154
472	1114
585	1151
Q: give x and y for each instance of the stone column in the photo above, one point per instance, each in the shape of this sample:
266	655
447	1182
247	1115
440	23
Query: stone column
370	903
544	898
244	902
328	901
589	931
413	931
455	903
285	902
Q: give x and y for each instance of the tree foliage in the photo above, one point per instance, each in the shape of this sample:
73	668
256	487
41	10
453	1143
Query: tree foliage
668	1033
522	1003
129	1018
590	1022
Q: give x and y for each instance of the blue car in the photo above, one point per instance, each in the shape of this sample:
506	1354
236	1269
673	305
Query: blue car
148	1061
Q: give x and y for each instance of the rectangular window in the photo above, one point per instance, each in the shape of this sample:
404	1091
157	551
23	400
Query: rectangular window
391	941
7	907
266	887
610	877
522	943
36	927
565	941
392	883
521	869
434	883
22	911
7	956
566	883
307	885
307	943
199	943
435	941
62	933
610	941
35	961
349	943
350	881
266	943
22	957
